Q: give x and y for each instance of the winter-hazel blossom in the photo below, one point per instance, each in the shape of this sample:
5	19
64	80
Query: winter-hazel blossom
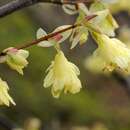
110	55
5	98
16	59
62	76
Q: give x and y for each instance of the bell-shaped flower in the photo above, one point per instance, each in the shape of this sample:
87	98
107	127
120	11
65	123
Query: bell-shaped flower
110	55
59	38
62	76
5	98
16	59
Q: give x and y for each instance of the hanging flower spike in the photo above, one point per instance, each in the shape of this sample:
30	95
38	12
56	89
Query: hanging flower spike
113	53
16	59
59	38
62	76
5	98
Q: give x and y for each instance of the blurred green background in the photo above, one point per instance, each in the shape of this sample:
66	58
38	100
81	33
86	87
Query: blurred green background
103	102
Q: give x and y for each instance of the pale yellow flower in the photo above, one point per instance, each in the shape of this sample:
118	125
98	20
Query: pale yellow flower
16	59
5	98
111	54
62	76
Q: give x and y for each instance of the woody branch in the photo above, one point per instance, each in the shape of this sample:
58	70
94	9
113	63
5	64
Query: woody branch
16	5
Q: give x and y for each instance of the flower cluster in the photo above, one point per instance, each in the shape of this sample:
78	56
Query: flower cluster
111	54
62	75
96	18
16	59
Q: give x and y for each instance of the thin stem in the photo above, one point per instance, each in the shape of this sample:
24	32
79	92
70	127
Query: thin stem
47	37
88	18
29	44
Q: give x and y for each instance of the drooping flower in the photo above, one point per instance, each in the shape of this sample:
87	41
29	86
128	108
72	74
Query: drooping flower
5	98
62	76
110	55
16	59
